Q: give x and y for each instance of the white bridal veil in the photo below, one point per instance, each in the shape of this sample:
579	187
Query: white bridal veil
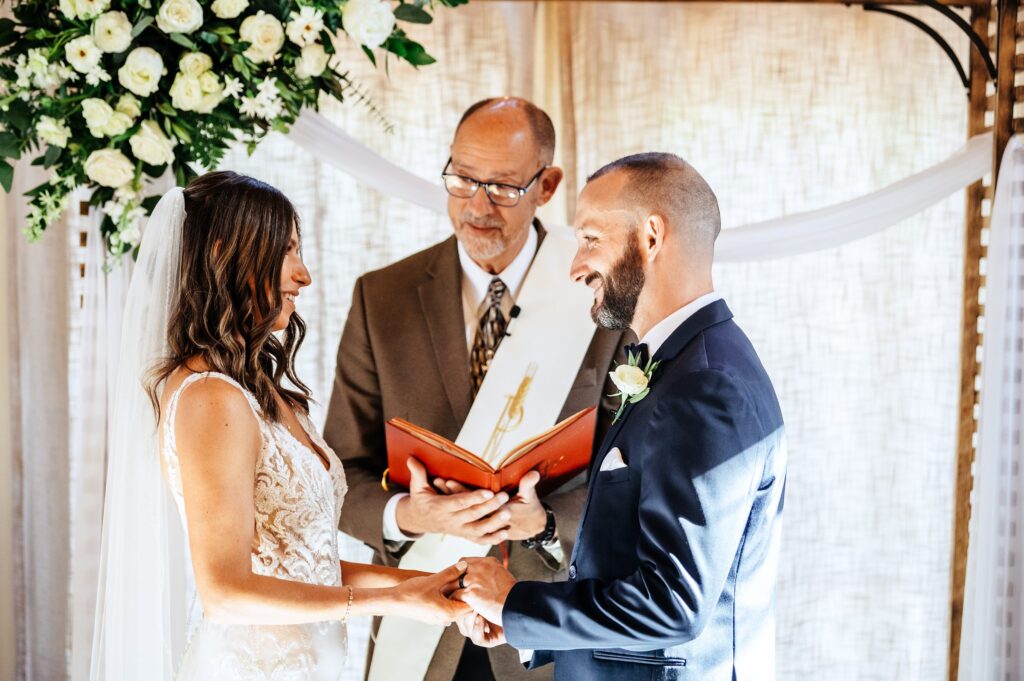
143	584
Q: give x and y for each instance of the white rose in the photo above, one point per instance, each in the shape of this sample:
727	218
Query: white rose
142	71
109	167
97	114
312	62
69	8
229	9
53	132
305	28
179	16
265	33
131	235
117	125
112	32
213	92
151	146
82	54
195	64
629	380
186	93
369	22
83	9
129	106
87	9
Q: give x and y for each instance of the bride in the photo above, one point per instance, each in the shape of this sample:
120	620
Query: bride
212	425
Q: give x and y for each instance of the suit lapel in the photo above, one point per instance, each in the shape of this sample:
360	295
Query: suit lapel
441	301
713	313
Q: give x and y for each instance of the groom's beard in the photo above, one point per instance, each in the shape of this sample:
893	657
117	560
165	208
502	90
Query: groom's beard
621	286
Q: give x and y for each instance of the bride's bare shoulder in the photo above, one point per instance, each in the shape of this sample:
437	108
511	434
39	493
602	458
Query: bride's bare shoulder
211	410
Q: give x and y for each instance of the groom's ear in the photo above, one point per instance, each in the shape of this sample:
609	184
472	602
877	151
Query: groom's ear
652	236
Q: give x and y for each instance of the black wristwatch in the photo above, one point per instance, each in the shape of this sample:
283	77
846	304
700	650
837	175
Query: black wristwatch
546	535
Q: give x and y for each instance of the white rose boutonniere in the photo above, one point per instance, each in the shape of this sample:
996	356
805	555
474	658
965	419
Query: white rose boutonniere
632	380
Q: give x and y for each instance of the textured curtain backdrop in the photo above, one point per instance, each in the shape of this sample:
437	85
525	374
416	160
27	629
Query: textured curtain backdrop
784	109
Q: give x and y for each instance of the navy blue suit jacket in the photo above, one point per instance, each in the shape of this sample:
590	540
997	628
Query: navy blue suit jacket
673	572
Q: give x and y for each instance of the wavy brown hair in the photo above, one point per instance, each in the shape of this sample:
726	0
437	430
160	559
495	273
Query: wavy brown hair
236	233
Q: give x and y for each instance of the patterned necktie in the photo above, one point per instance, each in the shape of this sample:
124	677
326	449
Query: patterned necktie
489	334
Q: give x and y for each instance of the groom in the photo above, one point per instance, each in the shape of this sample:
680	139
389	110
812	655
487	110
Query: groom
673	571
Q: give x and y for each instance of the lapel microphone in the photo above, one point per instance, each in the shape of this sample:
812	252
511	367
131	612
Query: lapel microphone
512	314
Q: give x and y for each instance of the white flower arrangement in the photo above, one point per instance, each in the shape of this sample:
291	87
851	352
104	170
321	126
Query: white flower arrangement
112	93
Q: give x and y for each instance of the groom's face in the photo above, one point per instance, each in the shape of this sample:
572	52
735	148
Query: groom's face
608	258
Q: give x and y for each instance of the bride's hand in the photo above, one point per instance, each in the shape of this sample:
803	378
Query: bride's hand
426	598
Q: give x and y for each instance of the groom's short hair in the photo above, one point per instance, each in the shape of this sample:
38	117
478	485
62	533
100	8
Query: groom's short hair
541	127
663	183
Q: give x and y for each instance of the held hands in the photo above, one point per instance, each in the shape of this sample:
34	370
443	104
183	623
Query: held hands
485	588
427	599
523	516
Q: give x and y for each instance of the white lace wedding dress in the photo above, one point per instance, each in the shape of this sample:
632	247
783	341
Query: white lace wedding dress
298	503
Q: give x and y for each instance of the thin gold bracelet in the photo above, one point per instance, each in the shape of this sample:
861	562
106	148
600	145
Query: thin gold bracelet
348	608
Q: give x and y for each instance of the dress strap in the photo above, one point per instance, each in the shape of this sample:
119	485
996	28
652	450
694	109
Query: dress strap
170	445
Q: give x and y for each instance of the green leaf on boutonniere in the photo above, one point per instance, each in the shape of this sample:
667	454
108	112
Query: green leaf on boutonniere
639	396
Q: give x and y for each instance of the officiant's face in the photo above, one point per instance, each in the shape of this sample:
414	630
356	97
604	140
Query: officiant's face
608	258
496	149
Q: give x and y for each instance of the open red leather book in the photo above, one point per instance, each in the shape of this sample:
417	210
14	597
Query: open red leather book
559	453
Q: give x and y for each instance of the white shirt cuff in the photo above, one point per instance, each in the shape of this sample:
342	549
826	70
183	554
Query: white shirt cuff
391	530
525	656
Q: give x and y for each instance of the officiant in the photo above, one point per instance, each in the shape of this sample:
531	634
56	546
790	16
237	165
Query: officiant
419	340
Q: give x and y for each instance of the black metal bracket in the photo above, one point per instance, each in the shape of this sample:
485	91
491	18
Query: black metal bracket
976	41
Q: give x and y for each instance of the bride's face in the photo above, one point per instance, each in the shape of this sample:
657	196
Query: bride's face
294	278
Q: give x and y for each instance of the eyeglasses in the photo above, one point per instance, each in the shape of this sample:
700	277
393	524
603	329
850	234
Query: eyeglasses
505	195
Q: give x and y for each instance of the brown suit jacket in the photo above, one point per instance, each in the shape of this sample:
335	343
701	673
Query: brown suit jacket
403	353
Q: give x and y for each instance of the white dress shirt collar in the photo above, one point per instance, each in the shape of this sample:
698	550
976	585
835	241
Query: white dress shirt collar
512	276
660	332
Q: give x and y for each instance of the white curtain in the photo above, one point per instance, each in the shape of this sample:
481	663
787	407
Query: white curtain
992	646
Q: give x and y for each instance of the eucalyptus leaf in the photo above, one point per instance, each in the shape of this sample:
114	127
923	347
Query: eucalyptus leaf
142	25
52	155
184	41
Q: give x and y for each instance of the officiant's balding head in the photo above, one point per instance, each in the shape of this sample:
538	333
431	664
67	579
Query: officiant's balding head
646	226
508	145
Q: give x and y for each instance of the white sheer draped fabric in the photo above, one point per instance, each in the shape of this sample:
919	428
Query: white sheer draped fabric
781	237
143	585
993	627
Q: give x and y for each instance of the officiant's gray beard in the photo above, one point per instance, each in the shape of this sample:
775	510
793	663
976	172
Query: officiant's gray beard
622	286
483	247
